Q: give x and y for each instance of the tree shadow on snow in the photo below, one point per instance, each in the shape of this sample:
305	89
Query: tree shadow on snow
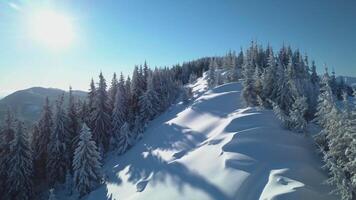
141	165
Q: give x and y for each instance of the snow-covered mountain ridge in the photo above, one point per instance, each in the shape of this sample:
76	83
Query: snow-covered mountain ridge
215	148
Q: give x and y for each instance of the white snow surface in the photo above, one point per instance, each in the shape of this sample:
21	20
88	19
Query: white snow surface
216	148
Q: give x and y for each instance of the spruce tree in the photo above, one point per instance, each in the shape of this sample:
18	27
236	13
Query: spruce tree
269	82
119	114
149	102
136	91
324	110
86	163
72	125
297	114
219	78
112	91
350	151
248	92
91	105
7	135
284	95
142	79
341	130
58	155
192	77
101	116
235	71
186	94
258	82
83	112
212	73
146	71
333	83
281	115
35	134
325	102
334	154
314	76
21	166
128	94
124	140
45	126
239	64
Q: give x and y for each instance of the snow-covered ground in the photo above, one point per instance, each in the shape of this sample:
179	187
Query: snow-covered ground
215	148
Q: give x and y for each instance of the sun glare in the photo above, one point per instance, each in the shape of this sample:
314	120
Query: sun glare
52	29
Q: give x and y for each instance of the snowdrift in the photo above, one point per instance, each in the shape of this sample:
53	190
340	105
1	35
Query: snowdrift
215	148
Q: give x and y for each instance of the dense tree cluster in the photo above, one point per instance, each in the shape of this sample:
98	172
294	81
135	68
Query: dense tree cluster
337	140
291	87
284	81
67	144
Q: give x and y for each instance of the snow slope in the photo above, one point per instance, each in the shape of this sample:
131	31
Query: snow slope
215	148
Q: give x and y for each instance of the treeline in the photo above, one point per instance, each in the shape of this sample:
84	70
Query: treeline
66	146
287	83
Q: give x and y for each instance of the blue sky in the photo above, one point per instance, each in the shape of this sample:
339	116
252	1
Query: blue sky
113	36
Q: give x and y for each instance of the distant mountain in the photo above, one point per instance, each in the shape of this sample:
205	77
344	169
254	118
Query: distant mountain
27	104
348	80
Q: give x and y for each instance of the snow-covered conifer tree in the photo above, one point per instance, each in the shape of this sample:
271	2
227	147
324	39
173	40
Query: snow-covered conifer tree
219	80
7	135
350	151
234	68
101	116
124	140
284	97
136	91
137	129
238	65
90	106
72	125
119	113
333	83
21	166
128	94
193	77
58	154
314	76
83	112
281	115
186	94
269	82
149	101
112	91
324	110
212	73
340	131
86	163
248	92
45	126
326	101
297	114
334	152
142	79
146	71
258	82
